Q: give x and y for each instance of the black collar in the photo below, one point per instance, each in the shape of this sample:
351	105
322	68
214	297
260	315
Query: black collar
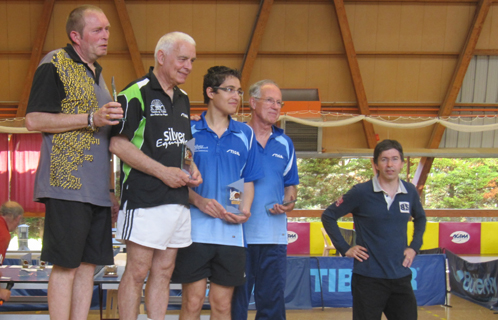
74	55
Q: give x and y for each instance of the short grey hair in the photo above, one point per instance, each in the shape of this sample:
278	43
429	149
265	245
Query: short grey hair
255	89
12	208
168	41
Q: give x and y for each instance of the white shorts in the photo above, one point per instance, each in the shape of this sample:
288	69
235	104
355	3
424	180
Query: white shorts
158	227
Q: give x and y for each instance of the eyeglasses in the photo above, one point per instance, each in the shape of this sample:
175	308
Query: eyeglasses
230	90
271	101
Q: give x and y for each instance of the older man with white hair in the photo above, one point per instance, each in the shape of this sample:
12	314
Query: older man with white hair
154	218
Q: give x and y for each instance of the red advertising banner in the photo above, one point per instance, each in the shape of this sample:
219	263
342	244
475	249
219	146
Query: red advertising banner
298	237
460	237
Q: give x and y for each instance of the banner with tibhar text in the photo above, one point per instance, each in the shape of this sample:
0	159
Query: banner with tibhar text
474	281
331	278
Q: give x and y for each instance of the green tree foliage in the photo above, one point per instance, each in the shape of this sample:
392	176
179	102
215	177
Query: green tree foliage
451	184
323	181
462	184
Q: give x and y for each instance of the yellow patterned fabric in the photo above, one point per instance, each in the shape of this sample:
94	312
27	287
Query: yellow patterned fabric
68	147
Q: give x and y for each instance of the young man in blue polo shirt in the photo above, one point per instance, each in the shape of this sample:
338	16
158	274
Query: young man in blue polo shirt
225	152
266	231
381	209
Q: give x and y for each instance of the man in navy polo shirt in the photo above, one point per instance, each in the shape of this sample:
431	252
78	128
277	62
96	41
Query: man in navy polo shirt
154	219
225	152
381	209
266	231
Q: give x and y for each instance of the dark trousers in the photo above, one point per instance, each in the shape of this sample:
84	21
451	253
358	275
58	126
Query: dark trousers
393	297
266	269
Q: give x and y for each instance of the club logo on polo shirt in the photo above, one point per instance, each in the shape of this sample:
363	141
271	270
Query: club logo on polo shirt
157	108
277	155
404	207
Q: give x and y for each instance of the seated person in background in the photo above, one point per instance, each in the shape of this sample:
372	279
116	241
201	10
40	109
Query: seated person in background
11	215
225	152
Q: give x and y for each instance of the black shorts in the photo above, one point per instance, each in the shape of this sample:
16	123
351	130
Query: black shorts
223	265
76	232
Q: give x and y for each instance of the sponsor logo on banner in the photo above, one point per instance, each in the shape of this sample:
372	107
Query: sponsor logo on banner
460	237
291	236
481	288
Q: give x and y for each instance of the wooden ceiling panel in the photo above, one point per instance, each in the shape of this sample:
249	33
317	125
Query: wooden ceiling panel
340	84
246	18
180	16
489	34
227	27
388	27
458	22
434	27
274	34
296	27
5	80
18	28
138	14
363	25
407	78
157	22
294	75
204	27
323	31
410	30
435	76
272	68
4	29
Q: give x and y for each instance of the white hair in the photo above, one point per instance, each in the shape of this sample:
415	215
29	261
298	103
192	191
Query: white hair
168	41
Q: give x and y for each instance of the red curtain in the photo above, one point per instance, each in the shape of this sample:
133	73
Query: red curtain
4	168
25	156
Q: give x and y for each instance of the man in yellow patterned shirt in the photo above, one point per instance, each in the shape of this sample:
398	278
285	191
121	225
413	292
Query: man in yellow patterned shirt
70	104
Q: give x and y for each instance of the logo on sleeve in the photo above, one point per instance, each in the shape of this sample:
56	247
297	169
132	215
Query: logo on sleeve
404	207
157	108
339	201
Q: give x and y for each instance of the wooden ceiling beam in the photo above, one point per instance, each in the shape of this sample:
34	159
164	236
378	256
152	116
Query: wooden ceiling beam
256	38
359	88
449	101
36	55
131	41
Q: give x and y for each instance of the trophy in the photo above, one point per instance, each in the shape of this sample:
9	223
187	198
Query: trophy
234	198
188	150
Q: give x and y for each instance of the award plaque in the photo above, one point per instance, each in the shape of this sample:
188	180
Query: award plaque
234	198
188	150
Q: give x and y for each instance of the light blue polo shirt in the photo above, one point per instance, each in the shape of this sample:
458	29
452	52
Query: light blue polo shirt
280	171
222	161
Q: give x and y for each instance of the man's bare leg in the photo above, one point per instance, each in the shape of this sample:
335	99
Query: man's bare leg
138	262
193	295
157	289
59	294
220	299
82	291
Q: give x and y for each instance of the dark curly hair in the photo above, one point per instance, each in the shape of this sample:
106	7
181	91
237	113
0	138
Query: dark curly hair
216	76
